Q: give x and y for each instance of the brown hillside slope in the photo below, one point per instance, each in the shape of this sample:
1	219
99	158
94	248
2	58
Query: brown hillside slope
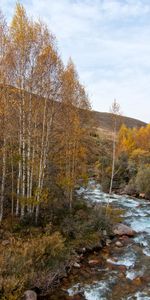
104	121
101	120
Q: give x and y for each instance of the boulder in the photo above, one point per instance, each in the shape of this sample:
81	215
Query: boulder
121	229
142	195
30	295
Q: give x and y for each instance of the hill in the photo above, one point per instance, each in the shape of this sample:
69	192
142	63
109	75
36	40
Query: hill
103	120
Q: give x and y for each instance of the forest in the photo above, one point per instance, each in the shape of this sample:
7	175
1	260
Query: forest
42	139
132	161
49	148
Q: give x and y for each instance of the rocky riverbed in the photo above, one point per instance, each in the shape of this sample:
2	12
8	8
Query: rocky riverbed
121	270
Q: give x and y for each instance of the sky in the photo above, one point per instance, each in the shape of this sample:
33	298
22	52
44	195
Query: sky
109	42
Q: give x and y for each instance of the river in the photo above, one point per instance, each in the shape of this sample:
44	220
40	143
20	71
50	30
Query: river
123	273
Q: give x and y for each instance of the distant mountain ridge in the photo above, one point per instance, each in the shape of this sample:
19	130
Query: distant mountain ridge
104	120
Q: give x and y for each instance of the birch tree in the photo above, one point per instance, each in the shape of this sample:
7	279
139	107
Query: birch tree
115	110
48	71
3	106
73	152
23	40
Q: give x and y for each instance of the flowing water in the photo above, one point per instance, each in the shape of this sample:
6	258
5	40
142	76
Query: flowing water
123	272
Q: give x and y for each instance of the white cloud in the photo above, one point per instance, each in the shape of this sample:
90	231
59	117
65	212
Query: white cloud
109	40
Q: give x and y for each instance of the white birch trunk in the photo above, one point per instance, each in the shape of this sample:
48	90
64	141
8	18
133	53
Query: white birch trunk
3	180
41	162
29	148
113	158
23	158
12	185
20	161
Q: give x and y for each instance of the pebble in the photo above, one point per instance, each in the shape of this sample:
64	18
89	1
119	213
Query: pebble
30	295
94	262
119	244
76	265
108	242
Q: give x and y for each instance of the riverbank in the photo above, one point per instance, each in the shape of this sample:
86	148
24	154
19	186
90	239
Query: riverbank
121	270
78	251
81	281
39	257
90	263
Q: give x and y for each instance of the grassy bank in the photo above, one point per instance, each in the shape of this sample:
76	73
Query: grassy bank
37	257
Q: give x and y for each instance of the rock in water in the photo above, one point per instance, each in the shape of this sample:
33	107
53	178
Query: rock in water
121	229
142	195
30	295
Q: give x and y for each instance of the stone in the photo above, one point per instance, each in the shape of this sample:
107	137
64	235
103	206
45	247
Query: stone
108	242
86	274
142	195
30	295
121	275
5	243
118	244
76	297
112	261
94	262
122	268
121	229
125	240
104	232
137	281
76	265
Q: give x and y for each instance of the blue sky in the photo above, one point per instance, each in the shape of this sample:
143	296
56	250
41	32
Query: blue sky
109	42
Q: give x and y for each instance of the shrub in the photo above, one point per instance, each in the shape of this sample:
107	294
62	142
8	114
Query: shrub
131	188
22	260
143	181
